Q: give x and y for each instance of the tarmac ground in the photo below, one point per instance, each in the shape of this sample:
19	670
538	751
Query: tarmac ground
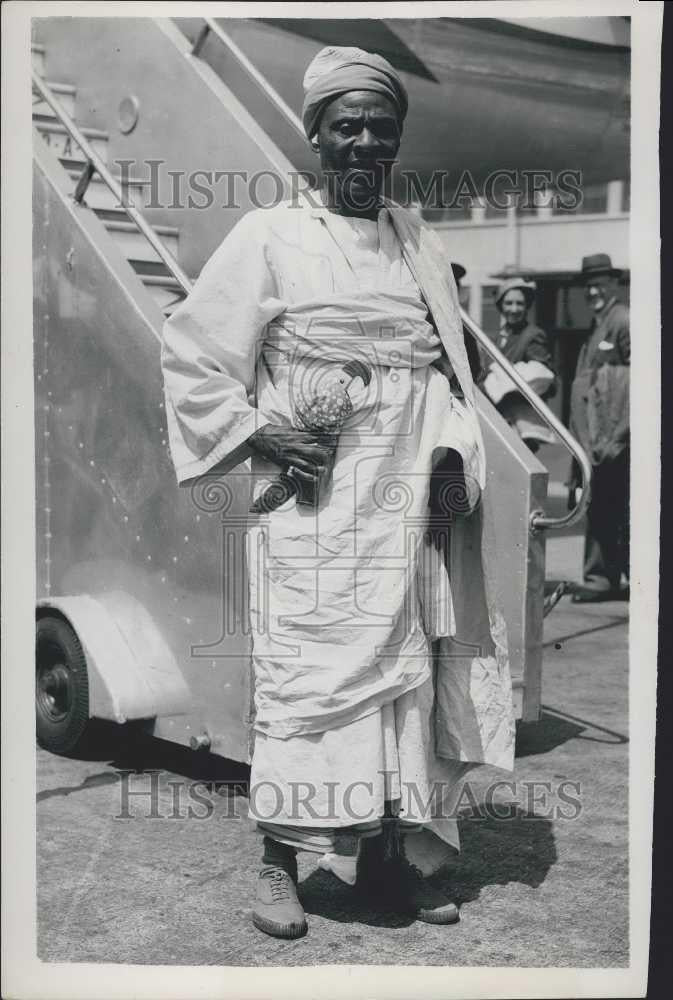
542	878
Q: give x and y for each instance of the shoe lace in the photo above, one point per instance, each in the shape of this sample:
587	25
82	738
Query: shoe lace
279	884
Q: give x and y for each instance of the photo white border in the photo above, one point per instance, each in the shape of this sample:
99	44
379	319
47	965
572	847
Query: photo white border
23	975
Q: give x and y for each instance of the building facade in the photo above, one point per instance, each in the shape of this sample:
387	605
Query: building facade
547	244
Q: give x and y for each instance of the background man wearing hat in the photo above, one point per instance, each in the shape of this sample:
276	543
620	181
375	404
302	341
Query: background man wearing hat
599	419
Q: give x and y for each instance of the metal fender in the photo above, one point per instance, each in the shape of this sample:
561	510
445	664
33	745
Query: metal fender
132	671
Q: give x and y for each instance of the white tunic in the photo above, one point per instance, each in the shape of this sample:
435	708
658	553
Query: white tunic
338	619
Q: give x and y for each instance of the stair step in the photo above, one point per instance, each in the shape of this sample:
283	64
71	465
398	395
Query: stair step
163	280
64	93
113	213
98	195
150	269
166	292
37	54
171	307
133	244
64	146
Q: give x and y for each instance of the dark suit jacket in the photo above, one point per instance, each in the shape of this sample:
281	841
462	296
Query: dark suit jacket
529	344
593	397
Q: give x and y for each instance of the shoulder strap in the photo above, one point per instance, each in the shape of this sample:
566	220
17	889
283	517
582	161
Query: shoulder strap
428	262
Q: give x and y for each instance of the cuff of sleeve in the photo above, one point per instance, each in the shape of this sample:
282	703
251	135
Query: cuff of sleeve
468	441
227	453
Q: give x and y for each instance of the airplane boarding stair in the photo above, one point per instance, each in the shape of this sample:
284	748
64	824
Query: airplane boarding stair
150	577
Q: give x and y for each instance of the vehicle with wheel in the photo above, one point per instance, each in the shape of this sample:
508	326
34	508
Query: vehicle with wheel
142	609
61	685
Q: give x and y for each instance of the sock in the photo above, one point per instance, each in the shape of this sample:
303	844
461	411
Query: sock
342	865
392	839
280	856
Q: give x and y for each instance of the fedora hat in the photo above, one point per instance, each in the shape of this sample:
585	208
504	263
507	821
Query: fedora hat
598	263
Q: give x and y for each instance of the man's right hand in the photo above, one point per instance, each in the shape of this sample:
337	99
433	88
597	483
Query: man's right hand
307	451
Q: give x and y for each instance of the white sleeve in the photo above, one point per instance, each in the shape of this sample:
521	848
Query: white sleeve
463	434
466	426
209	354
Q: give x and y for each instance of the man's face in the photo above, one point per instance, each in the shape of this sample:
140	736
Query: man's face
514	307
598	291
359	137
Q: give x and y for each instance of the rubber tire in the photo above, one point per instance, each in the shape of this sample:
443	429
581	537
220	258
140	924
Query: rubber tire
61	728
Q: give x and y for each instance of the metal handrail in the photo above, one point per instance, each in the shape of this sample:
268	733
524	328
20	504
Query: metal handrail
539	519
212	26
94	164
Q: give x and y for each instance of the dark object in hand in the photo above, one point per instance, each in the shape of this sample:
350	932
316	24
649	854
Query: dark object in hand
325	414
293	482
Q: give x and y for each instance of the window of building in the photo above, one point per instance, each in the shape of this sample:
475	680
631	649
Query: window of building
594	200
497	195
493	212
432	215
461	213
572	309
490	317
626	196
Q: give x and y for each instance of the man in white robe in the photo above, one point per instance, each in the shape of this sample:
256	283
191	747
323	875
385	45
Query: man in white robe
354	715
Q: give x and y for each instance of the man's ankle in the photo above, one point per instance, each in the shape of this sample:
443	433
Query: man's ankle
279	855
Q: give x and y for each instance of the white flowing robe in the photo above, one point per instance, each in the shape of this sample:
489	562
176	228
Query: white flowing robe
339	625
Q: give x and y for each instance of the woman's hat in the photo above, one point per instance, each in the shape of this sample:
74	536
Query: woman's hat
598	263
527	287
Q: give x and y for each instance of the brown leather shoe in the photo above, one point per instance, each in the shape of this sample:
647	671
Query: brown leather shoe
401	885
371	878
413	893
277	909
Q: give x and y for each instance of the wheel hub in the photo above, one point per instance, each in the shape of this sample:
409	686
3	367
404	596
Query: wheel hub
54	690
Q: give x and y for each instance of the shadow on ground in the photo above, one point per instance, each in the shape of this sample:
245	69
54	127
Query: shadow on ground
493	852
540	737
556	727
615	622
498	851
324	895
131	748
